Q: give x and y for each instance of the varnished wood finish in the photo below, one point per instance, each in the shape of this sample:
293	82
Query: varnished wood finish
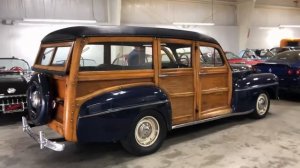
82	99
49	67
87	87
178	83
215	87
60	89
71	112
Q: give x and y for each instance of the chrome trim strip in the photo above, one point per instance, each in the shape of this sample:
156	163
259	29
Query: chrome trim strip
123	108
256	86
9	96
211	119
41	138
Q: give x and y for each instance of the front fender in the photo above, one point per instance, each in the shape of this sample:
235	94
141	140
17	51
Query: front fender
109	116
248	87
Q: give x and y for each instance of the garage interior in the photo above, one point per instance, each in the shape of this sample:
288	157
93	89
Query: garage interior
237	142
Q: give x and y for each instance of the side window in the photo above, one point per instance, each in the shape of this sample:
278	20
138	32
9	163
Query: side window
58	56
61	56
116	56
175	56
47	55
210	57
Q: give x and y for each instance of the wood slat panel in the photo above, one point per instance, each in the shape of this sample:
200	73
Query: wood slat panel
183	109
176	84
214	81
215	112
214	100
87	87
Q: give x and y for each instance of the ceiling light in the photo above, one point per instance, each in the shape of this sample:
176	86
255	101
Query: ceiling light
267	28
60	21
193	24
290	26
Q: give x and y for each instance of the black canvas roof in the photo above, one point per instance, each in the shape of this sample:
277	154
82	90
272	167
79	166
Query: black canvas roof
71	33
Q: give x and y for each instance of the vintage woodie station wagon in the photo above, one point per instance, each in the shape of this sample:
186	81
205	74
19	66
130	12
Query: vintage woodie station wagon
134	84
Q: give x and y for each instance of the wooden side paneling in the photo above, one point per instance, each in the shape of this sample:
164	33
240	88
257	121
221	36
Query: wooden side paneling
87	87
214	81
182	109
178	84
213	100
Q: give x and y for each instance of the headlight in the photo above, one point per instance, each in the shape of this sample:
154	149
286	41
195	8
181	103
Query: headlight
35	99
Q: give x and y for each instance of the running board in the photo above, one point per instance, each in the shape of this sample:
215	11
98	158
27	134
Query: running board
211	119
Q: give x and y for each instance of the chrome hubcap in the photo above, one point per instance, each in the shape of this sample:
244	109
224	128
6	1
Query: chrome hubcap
262	104
35	99
147	131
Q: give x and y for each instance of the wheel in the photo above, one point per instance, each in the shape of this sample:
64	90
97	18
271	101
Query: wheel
146	135
261	106
39	100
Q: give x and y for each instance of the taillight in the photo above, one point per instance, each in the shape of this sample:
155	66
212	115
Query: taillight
290	72
298	72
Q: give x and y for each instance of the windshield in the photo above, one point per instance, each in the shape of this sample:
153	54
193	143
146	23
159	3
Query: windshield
231	55
13	64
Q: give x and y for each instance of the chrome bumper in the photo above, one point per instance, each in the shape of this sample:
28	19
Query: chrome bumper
40	138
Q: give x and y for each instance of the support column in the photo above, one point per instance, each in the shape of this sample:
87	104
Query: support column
244	19
114	12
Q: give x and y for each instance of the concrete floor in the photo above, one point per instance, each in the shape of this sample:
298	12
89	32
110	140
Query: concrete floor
238	142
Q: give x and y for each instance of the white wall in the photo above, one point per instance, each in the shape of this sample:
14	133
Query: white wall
23	41
167	12
264	30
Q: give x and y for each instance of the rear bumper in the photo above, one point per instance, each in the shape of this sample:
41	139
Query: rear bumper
40	138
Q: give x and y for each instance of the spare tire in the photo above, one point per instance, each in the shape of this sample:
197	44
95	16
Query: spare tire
40	99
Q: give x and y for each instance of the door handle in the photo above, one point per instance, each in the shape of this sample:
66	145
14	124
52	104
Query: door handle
165	75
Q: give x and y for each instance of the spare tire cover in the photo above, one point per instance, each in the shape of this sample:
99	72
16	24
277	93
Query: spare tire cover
40	99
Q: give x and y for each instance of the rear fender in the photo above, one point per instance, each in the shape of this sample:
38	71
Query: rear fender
109	116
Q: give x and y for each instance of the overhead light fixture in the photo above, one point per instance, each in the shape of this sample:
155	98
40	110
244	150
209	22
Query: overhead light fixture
193	24
290	26
60	21
267	28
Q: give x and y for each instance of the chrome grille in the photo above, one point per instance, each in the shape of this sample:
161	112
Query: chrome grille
12	99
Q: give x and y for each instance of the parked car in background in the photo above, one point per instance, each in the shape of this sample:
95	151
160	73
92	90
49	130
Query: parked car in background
235	59
146	82
14	74
286	66
249	54
264	54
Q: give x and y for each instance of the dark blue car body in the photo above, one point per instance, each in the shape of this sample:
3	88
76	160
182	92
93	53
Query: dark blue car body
286	66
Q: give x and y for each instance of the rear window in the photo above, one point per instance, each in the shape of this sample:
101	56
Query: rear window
286	57
116	56
54	56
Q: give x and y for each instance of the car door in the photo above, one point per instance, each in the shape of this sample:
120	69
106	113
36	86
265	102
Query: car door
176	77
214	82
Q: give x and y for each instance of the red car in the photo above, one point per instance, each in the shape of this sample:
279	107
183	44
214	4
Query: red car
234	59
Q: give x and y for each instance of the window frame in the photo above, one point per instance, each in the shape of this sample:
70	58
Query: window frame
51	67
175	41
117	74
215	47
